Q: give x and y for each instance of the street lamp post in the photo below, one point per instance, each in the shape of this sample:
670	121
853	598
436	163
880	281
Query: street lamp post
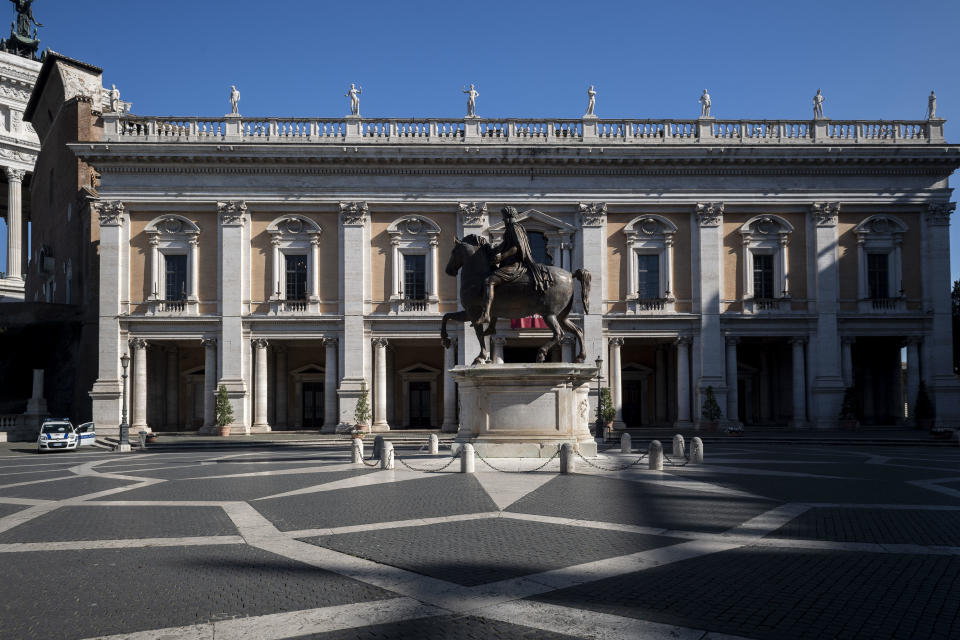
124	427
599	428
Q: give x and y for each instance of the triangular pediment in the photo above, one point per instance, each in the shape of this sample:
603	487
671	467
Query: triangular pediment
533	218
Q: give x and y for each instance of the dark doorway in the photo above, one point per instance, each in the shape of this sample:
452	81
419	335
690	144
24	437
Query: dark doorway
633	403
312	405
419	404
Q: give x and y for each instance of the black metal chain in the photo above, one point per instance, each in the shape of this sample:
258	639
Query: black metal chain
484	460
686	461
449	462
603	468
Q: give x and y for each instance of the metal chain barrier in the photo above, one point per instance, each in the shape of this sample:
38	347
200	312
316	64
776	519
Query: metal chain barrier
449	462
484	460
603	468
686	461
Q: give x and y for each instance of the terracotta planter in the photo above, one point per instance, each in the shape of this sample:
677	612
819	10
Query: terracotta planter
224	431
152	437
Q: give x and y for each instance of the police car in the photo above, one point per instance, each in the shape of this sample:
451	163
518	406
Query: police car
61	434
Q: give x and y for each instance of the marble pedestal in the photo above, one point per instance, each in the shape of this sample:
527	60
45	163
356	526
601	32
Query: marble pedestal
525	410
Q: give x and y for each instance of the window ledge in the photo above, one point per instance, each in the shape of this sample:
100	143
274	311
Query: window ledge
414	306
882	305
756	306
650	306
173	307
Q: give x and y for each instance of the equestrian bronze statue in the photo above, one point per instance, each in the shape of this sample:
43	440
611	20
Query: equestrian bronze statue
505	282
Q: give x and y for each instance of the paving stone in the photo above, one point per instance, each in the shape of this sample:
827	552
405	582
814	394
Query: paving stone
7	509
120	523
70	487
224	489
80	594
440	495
440	628
473	552
883	526
638	503
9	477
183	470
783	593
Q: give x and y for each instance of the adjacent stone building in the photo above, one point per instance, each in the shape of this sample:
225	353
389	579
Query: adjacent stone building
295	260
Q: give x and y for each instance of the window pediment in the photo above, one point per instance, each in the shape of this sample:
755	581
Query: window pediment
291	226
410	227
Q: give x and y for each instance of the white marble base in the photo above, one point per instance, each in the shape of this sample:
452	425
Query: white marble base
524	410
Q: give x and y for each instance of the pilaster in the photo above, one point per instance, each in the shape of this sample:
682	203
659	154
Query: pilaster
471	220
938	373
354	269
827	371
234	271
593	230
709	355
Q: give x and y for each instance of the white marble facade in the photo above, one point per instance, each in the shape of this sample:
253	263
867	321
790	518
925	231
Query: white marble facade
19	147
608	196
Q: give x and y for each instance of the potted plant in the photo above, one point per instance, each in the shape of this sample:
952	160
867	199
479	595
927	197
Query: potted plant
848	410
608	412
923	409
224	412
361	415
710	411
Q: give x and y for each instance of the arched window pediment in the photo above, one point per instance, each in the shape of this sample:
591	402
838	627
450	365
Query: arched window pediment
294	225
766	225
414	242
766	263
649	226
295	240
412	226
880	263
650	263
174	280
171	224
881	224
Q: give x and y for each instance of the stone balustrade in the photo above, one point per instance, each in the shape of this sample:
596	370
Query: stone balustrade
122	128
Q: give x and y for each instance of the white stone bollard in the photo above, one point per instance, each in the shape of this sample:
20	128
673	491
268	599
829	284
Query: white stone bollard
655	455
386	455
567	464
142	435
378	447
696	451
625	445
678	446
467	463
434	444
356	449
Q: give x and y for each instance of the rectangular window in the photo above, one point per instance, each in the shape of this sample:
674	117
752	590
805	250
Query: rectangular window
878	275
763	276
296	267
415	277
648	276
176	277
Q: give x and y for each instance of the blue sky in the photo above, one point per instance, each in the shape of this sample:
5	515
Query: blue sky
872	58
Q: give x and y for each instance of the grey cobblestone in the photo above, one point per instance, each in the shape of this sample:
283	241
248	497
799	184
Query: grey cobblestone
895	526
442	495
7	509
217	469
117	523
474	552
79	594
638	503
440	628
70	487
222	489
784	594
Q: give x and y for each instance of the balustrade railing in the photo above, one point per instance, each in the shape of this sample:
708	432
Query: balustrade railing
170	306
650	304
413	304
541	130
292	306
766	304
884	304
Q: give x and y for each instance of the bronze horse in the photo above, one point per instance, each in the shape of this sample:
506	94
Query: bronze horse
516	299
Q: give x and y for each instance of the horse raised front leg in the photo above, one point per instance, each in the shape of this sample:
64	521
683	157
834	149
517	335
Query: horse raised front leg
459	316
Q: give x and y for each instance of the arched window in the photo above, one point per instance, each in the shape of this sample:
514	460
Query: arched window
766	268
414	245
880	263
173	264
295	242
650	263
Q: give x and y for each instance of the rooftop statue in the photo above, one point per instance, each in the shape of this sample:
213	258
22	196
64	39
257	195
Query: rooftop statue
818	105
354	95
234	99
114	99
504	281
23	41
591	101
932	106
472	96
704	104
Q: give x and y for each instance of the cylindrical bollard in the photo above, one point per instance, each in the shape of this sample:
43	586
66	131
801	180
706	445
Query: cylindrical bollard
356	451
377	447
696	451
386	455
678	446
567	464
625	445
434	444
142	435
467	464
655	454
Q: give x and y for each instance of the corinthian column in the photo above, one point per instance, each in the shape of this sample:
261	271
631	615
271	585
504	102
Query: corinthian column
733	409
138	348
380	386
260	386
330	386
209	381
14	223
683	381
450	424
616	381
799	384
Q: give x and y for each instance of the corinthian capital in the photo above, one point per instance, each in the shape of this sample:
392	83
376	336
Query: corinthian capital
232	212
938	213
473	212
593	214
354	212
15	175
110	212
825	213
709	214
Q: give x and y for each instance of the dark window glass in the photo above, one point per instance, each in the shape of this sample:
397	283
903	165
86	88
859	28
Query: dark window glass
538	248
296	277
176	277
763	276
415	277
648	276
878	275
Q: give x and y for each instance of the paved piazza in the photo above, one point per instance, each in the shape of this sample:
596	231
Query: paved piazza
764	541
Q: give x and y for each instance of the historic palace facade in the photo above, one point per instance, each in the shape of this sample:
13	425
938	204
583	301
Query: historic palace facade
295	261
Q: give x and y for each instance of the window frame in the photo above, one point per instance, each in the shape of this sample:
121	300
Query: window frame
876	235
766	234
650	234
169	235
294	235
414	234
